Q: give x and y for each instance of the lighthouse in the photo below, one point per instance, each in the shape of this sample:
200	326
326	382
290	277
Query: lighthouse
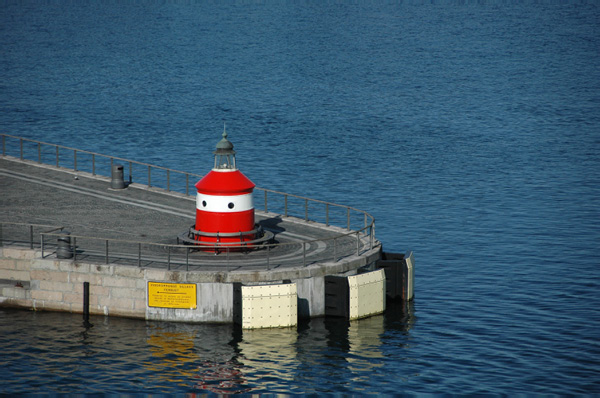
224	206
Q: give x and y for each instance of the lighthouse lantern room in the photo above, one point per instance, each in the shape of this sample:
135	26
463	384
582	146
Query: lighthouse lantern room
224	206
224	154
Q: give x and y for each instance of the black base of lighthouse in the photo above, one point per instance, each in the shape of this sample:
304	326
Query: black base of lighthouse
230	241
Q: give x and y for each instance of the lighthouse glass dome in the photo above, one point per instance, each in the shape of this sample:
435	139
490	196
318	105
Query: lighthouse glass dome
224	154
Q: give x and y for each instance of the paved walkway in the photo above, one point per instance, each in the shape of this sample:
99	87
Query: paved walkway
137	218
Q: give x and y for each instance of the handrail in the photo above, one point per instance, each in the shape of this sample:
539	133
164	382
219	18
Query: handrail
88	152
306	199
30	227
367	220
75	151
153	253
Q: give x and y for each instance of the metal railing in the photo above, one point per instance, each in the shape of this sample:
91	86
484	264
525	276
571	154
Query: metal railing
351	222
24	233
148	254
96	163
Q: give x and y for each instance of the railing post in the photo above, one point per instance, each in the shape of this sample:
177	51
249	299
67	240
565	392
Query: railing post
169	258
94	164
286	205
187	184
75	159
39	152
149	180
74	249
107	251
21	145
304	254
130	172
42	242
348	215
168	180
305	209
357	243
227	260
139	254
268	258
327	214
31	236
266	207
57	156
334	250
3	145
373	232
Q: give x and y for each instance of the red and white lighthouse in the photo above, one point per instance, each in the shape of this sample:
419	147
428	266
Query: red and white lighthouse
224	206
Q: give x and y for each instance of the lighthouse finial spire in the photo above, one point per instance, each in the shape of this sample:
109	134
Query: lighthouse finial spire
224	129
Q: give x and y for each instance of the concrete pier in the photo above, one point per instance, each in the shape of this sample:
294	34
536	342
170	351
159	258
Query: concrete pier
124	240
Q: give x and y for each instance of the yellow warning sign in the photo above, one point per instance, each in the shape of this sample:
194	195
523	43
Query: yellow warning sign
172	295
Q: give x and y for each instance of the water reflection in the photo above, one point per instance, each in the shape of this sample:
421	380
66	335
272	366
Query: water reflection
224	359
364	342
199	357
54	352
170	352
400	315
268	356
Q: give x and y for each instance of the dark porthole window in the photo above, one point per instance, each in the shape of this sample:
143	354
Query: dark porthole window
204	203
230	205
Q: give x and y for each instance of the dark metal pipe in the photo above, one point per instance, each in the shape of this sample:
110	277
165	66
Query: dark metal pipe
86	302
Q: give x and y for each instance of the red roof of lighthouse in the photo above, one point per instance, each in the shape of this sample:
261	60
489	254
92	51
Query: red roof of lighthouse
225	183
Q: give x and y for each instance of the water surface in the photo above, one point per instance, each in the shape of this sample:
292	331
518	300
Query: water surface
470	131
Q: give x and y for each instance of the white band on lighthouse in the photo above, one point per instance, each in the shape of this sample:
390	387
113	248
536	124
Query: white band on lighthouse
224	204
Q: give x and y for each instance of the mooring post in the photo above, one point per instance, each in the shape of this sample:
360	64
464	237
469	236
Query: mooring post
86	302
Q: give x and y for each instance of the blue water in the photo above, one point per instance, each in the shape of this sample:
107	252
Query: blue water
470	130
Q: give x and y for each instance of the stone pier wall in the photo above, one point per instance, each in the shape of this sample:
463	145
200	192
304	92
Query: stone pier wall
29	281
